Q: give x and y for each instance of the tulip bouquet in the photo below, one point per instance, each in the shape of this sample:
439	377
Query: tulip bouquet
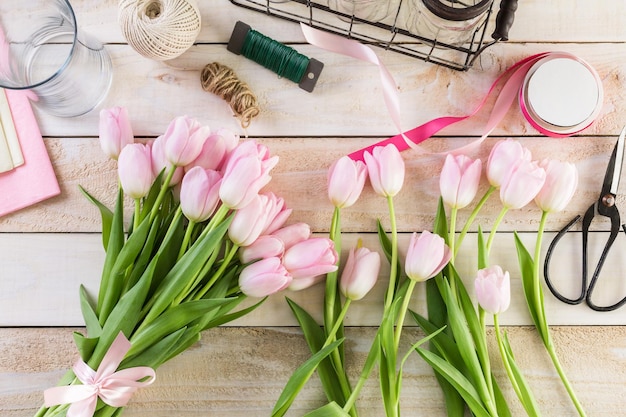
459	355
203	237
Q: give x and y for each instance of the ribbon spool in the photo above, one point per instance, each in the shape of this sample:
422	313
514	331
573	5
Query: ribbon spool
159	29
561	95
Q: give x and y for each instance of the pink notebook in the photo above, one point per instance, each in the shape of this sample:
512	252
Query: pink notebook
35	180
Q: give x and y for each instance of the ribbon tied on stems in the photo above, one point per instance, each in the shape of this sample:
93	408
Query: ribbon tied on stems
114	388
517	78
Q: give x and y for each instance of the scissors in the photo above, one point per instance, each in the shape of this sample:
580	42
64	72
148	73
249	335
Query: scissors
603	206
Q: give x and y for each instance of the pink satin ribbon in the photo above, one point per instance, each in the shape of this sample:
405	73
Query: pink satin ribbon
114	388
512	88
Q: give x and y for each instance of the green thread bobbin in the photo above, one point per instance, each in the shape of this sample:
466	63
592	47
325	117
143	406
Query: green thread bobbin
279	58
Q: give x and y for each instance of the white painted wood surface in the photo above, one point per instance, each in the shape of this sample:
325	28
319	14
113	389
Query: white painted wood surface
48	250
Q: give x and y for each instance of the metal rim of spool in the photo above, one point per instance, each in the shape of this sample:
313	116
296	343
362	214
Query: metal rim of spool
455	13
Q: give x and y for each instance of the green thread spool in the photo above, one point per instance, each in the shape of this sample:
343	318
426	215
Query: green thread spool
279	58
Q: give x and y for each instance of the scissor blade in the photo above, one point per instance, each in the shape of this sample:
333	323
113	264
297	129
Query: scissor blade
614	170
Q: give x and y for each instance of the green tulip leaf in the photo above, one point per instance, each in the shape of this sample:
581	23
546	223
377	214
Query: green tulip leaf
105	213
315	337
457	380
299	378
533	300
156	354
526	396
89	315
85	345
171	320
329	410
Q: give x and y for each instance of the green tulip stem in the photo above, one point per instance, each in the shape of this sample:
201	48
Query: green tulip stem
452	232
539	308
164	187
487	365
472	217
492	234
186	239
505	358
394	255
137	215
403	309
225	263
330	295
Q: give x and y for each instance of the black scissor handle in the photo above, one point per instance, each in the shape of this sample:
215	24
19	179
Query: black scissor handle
615	228
546	266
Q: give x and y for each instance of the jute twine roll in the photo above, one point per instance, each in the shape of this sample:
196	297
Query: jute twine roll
159	29
222	81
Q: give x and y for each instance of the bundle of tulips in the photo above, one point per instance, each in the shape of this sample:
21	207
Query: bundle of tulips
455	326
202	238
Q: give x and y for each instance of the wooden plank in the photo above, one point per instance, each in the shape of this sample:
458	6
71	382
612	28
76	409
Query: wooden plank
300	178
241	371
348	100
44	290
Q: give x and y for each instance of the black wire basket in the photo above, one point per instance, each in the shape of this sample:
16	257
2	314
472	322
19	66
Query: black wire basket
392	32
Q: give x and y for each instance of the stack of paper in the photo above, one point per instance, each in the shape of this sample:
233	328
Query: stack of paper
26	173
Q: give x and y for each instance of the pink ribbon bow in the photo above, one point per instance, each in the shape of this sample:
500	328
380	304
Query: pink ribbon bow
114	388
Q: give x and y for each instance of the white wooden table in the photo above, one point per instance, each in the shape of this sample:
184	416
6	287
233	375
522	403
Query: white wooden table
48	250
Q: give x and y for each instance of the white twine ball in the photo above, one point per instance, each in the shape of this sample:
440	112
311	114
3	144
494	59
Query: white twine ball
159	29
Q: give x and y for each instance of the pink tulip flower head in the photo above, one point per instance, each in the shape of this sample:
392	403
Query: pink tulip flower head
266	246
559	187
504	157
309	260
134	167
115	131
293	233
160	162
386	170
346	179
360	273
493	289
263	278
215	150
459	180
248	222
522	184
183	140
277	213
199	193
427	255
246	172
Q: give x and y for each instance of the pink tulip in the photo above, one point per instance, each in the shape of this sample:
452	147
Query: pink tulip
459	180
386	170
504	157
215	150
160	162
277	213
245	173
183	140
292	234
267	246
560	185
360	273
249	222
493	289
311	257
134	167
427	255
346	179
199	193
302	283
115	131
522	184
263	278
